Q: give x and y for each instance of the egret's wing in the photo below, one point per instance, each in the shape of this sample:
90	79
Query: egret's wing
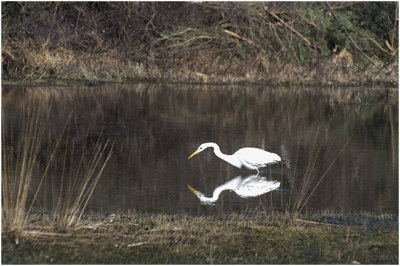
256	157
256	187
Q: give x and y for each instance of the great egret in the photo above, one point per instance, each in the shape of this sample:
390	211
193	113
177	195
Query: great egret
244	187
245	158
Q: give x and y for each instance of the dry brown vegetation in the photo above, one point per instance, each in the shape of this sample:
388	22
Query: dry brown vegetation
30	150
201	42
258	238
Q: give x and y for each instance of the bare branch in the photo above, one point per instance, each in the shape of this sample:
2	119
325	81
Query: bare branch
298	34
243	39
175	34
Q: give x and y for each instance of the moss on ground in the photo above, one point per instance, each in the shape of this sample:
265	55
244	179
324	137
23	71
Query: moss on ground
133	238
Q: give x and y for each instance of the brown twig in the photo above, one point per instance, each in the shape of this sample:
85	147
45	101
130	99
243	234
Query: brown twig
310	22
377	44
312	222
242	38
191	40
298	34
175	34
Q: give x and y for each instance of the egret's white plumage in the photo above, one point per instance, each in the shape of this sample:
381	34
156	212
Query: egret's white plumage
247	158
244	187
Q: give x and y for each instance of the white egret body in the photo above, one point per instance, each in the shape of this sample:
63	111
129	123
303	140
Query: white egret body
245	158
244	187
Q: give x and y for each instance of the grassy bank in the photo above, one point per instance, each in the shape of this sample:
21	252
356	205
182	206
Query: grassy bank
344	42
132	238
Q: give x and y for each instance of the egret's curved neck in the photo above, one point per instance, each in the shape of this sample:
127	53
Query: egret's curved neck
217	150
227	158
217	191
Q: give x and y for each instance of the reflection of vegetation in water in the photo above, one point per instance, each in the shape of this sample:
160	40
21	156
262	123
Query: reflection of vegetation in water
154	123
32	153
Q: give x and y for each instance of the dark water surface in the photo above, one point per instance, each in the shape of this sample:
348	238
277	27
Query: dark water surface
155	127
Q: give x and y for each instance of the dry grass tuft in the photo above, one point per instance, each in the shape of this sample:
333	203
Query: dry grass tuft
17	171
21	150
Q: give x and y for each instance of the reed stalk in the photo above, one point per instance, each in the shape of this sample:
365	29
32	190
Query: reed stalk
20	166
306	189
17	174
84	178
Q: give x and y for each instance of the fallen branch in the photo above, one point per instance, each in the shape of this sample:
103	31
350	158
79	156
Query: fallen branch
43	233
242	38
308	21
174	34
378	45
137	244
396	19
298	34
191	40
312	222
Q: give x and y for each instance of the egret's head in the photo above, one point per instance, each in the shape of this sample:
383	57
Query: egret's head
203	199
200	149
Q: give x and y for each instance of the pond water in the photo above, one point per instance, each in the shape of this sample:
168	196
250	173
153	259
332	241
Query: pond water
347	152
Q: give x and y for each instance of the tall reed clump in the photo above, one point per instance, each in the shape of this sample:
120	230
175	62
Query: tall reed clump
310	179
18	165
25	170
78	183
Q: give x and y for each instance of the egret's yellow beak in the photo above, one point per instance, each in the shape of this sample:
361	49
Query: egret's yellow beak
193	154
193	190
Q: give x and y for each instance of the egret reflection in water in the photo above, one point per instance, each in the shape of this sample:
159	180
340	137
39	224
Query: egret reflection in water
244	186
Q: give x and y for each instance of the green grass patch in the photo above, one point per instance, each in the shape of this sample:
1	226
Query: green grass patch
132	238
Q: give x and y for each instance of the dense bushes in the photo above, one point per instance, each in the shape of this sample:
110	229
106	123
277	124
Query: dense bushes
210	41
